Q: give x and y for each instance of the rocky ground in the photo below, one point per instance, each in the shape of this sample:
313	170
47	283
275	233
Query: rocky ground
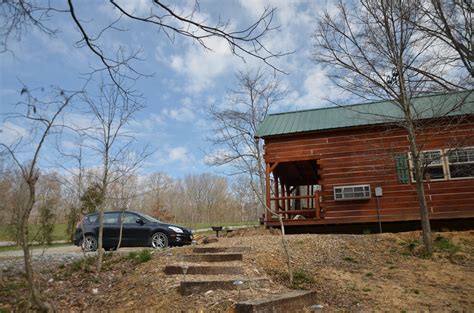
355	273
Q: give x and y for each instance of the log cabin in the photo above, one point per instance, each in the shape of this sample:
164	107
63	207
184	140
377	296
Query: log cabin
351	164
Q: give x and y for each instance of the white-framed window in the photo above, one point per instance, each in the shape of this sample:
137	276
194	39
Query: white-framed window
433	164
461	163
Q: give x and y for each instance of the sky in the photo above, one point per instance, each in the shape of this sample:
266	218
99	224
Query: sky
185	78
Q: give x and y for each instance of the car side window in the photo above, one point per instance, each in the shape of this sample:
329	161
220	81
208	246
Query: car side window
111	218
130	218
93	218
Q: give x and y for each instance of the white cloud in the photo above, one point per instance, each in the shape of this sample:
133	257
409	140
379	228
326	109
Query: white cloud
11	133
317	89
183	114
178	154
201	67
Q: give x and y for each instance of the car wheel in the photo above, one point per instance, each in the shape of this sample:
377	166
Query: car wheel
89	243
159	240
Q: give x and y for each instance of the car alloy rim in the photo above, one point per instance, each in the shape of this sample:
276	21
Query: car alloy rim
159	240
89	244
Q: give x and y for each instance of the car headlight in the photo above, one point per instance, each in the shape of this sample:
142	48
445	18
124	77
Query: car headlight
176	229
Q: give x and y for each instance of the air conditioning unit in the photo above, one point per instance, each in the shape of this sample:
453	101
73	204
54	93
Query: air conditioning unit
356	192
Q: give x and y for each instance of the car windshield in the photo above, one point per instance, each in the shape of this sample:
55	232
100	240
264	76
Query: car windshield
151	219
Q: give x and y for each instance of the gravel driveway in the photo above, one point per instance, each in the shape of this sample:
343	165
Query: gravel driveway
11	261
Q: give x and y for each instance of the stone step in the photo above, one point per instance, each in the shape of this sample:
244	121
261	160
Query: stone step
210	257
203	270
220	249
196	287
293	301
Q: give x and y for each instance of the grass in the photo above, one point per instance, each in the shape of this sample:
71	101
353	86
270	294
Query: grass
223	224
142	256
301	278
59	232
443	244
17	248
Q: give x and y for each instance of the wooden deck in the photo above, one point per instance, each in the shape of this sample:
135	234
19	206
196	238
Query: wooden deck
366	219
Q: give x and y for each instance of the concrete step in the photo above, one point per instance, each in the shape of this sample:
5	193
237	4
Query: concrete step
220	249
293	301
203	270
196	287
210	257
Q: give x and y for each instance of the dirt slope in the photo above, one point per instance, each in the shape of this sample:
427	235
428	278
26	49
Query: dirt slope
356	273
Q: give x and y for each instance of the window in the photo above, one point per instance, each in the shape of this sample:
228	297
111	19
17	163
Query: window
111	218
433	164
93	218
129	218
461	163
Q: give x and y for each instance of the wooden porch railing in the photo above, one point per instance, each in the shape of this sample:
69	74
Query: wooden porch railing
312	200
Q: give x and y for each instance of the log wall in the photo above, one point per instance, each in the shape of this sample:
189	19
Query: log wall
365	155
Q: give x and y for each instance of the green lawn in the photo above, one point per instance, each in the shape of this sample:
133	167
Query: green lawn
224	224
59	232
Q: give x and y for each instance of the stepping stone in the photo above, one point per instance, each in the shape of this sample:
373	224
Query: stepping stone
220	249
293	301
194	287
208	257
203	270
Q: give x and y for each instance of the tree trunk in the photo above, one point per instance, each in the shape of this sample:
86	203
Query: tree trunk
104	191
287	249
34	294
420	190
405	104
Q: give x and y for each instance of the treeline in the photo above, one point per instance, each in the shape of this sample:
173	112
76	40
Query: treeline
194	199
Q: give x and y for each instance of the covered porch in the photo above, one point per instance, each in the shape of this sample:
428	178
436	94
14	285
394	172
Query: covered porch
292	189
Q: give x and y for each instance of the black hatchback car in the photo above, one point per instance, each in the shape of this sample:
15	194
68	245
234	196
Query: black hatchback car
138	230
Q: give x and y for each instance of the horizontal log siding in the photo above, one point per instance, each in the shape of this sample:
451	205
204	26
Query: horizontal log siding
358	156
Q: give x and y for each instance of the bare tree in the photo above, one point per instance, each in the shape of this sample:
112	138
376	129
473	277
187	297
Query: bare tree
237	121
157	200
43	117
245	197
169	19
112	142
451	22
374	51
206	196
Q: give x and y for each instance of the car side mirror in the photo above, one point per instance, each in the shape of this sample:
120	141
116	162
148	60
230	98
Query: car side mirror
140	221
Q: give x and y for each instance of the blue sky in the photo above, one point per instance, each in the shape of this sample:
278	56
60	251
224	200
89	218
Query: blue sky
186	78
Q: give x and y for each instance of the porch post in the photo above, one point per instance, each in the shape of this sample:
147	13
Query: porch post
267	190
318	208
276	192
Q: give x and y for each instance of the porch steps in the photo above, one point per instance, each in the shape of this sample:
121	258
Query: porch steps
203	270
293	301
221	249
211	257
201	286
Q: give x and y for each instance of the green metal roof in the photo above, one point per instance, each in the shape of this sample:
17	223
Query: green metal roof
457	103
